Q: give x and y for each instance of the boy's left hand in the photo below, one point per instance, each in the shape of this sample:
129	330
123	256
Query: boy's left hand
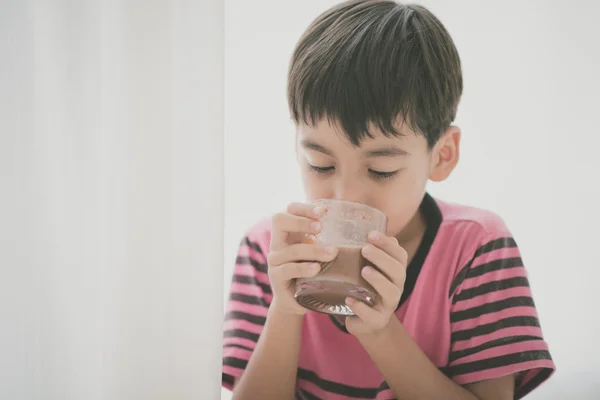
388	282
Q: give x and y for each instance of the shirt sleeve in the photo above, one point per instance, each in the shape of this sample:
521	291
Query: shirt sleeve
495	329
246	311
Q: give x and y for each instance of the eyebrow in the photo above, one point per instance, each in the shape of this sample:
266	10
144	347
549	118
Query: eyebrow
309	144
389	151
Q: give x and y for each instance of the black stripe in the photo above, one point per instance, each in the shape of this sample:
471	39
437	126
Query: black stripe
445	371
251	280
488	308
237	346
500	361
308	395
383	387
501	243
534	382
255	319
244	298
235	362
252	245
455	355
490	287
260	267
338	324
493	327
504	263
242	334
227	379
335	387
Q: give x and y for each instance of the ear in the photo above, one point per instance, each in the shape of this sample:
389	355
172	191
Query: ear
445	154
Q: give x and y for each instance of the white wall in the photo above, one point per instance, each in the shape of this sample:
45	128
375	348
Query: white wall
531	96
111	199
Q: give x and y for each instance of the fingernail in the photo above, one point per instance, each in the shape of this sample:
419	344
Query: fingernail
350	301
368	249
315	226
374	235
367	270
318	211
315	266
310	239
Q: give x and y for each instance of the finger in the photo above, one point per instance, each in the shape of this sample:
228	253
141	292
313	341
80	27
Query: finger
301	252
289	271
288	223
306	210
390	245
389	292
388	265
368	315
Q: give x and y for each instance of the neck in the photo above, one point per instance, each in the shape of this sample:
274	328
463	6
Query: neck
410	237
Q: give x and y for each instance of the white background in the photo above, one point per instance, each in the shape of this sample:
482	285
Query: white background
111	199
529	117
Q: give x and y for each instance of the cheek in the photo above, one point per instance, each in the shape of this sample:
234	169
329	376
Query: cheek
402	201
314	188
400	217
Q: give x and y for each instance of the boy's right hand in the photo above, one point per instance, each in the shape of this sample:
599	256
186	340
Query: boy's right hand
290	257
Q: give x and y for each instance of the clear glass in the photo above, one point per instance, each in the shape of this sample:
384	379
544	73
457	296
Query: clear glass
346	226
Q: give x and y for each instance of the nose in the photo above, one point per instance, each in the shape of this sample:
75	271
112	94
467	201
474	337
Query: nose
349	189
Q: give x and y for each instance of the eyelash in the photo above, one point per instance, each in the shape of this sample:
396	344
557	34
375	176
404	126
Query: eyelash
375	174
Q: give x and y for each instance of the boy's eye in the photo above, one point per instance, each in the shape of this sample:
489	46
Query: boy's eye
382	175
320	170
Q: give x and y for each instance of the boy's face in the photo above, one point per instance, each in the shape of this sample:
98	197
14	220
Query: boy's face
389	174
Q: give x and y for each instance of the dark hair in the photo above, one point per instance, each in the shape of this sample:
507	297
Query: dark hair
376	62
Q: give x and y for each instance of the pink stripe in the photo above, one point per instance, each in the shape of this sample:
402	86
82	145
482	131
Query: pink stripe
247	251
496	228
237	353
253	309
242	324
240	341
247	289
503	350
235	372
323	394
520	291
494	317
501	371
494	276
499	334
497	254
529	375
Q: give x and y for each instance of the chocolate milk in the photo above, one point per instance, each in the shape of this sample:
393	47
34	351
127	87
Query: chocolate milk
337	280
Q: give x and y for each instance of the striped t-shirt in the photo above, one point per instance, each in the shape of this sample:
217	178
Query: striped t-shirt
466	302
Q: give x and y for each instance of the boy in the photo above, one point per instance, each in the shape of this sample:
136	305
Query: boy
373	88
